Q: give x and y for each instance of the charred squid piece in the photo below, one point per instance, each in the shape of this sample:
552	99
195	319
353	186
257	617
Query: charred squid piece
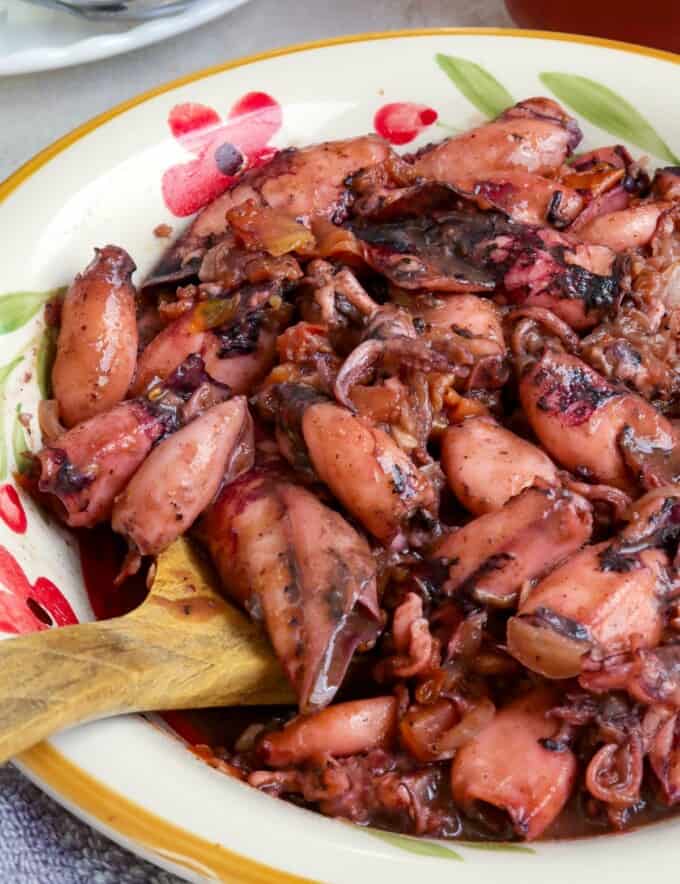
514	766
600	600
303	570
344	729
420	198
235	337
428	253
518	194
627	228
82	471
472	251
492	556
535	136
182	475
486	465
97	345
299	182
368	472
594	429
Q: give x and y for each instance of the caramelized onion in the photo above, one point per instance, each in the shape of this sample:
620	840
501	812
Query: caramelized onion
436	732
48	418
543	650
262	227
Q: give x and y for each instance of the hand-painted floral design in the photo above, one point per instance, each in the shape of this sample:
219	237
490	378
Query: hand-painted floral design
402	121
29	608
223	149
12	511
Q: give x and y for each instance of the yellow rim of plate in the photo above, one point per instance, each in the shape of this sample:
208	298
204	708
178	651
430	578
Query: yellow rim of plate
114	812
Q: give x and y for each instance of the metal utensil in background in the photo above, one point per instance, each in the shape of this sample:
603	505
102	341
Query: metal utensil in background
118	10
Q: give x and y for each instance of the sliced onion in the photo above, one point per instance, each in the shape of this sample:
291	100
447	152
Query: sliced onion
543	650
472	723
48	418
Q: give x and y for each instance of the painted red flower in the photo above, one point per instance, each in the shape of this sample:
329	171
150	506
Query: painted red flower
12	511
402	121
26	608
223	149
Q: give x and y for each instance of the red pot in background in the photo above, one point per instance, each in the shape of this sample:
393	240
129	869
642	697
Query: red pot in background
654	23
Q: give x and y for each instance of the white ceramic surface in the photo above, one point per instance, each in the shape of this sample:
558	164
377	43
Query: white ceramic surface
106	187
36	39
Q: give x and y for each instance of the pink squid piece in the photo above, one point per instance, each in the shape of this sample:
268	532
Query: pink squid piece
600	599
535	136
298	566
493	555
302	183
526	197
181	476
366	470
486	465
509	766
628	228
237	353
97	346
82	471
346	729
596	430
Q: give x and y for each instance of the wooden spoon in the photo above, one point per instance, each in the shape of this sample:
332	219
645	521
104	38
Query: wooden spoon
184	647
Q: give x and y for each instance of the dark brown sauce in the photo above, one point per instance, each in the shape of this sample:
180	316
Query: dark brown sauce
101	555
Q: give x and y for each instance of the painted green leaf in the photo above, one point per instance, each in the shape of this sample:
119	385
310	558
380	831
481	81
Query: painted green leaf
416	845
5	372
607	109
477	84
502	846
47	351
20	445
18	307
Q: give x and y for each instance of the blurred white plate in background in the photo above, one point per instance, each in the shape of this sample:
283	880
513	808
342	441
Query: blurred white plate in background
34	39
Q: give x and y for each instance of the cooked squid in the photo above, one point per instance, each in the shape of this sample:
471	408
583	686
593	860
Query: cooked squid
486	464
97	346
181	476
493	555
303	570
533	791
600	600
421	411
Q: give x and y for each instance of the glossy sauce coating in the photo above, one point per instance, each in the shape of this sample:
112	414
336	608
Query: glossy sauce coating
97	347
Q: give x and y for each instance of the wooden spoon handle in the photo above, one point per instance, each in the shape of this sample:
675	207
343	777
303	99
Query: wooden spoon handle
57	678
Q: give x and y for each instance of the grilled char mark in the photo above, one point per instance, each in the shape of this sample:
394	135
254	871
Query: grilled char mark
482	251
571	392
